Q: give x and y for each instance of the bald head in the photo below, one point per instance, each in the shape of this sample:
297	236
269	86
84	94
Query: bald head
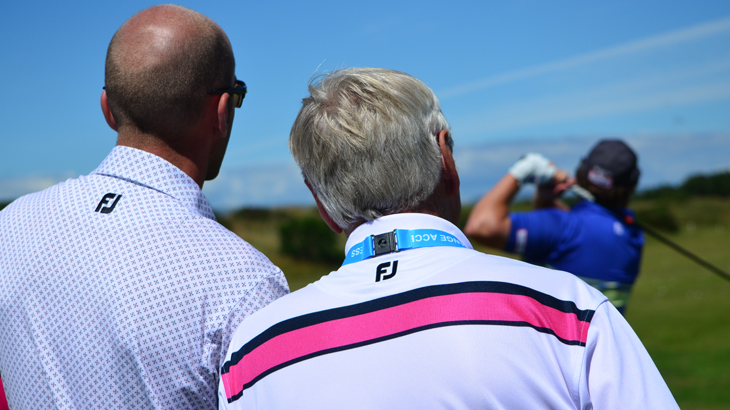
159	67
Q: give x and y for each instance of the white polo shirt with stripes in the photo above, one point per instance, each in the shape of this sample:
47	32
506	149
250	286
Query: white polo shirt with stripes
120	290
439	328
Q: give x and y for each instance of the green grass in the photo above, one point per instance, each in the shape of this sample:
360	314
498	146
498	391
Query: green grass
264	236
680	310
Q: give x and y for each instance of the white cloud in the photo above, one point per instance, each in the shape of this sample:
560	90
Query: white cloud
667	83
690	34
638	95
275	184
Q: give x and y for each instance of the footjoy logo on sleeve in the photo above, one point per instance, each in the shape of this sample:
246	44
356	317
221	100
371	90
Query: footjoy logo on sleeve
104	206
382	269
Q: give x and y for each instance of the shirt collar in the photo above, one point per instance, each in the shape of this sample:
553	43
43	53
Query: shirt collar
594	207
149	170
389	223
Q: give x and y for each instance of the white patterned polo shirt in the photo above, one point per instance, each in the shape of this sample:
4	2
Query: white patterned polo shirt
120	290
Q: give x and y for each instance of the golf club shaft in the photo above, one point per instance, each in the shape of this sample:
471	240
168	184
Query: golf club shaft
681	250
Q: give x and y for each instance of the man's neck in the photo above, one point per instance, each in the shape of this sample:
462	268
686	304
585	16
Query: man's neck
352	227
439	204
188	161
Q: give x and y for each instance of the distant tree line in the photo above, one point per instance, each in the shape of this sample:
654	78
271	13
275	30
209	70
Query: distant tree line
310	239
659	215
717	185
303	234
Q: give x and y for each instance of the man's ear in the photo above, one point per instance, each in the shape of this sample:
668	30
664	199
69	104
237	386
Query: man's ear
108	112
448	166
323	212
223	115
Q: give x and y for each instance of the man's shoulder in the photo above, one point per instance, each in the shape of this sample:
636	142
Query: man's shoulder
558	284
295	304
542	216
92	195
131	215
478	273
35	201
588	209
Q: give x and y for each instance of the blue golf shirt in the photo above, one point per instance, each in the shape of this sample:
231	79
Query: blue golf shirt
588	241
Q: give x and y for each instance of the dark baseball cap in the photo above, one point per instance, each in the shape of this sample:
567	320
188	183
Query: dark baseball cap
610	163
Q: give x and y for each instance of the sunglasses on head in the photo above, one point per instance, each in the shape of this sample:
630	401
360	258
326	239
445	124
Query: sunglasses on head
238	93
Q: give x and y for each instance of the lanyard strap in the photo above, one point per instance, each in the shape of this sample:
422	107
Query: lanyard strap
400	240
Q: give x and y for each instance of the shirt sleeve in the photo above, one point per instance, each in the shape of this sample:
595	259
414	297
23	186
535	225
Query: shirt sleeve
222	400
617	371
266	291
536	234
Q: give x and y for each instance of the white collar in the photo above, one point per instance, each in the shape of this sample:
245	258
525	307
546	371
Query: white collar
149	170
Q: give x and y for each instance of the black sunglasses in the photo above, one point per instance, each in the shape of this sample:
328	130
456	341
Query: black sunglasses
238	92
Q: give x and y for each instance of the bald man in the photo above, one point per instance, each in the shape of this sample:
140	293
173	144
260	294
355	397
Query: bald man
119	289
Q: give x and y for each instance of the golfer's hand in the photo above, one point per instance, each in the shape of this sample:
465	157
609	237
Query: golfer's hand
548	195
533	168
561	182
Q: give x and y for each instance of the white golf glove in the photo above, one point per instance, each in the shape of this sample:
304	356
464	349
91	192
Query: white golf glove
533	168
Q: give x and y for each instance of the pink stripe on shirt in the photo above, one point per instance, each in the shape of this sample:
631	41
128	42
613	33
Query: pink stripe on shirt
3	400
426	312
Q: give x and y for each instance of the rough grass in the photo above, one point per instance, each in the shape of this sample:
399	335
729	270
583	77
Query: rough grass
264	236
680	310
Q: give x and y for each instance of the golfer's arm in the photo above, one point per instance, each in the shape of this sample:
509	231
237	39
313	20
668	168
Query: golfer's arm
548	195
489	222
545	198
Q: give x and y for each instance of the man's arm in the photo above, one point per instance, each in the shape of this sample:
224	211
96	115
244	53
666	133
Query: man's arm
490	223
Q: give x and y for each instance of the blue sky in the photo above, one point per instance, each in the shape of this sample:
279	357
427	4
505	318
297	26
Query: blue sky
513	77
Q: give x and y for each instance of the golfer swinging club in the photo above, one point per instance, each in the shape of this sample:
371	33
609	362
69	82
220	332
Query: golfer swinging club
593	240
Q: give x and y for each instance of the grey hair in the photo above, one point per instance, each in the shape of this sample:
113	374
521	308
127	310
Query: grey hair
366	142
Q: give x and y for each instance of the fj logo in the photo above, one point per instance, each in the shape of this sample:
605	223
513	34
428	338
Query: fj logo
383	269
104	206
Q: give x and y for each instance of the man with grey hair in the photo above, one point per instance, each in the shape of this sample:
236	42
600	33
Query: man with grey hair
119	289
415	318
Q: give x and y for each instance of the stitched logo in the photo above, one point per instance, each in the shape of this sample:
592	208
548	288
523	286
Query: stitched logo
382	269
104	206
